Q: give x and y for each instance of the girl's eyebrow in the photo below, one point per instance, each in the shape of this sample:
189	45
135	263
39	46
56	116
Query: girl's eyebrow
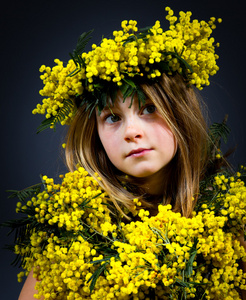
105	109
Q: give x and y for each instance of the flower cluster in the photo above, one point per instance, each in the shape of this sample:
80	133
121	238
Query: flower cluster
131	55
115	58
80	248
75	207
58	88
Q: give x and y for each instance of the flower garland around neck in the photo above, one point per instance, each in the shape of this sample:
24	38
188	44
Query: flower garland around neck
125	61
79	247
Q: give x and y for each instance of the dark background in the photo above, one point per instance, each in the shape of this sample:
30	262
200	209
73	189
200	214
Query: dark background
36	32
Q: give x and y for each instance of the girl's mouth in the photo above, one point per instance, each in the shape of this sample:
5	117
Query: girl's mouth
138	152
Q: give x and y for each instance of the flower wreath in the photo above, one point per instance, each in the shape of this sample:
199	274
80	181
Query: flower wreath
133	56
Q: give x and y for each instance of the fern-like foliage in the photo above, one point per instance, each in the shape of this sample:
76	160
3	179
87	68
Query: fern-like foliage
24	226
76	55
62	114
22	195
217	133
130	89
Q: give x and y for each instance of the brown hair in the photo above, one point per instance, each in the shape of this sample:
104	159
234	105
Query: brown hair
179	106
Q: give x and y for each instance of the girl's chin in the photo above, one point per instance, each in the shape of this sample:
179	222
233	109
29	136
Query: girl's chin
143	175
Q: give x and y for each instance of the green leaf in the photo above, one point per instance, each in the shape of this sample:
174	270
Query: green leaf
16	223
74	72
123	88
104	99
127	89
130	82
218	131
83	41
182	283
76	55
130	39
189	264
45	124
96	274
183	63
25	193
141	96
141	34
145	31
164	66
62	113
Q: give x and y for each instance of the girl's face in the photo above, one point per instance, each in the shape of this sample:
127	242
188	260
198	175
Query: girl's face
137	141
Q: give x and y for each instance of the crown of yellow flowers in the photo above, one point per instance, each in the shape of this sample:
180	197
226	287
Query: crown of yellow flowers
125	61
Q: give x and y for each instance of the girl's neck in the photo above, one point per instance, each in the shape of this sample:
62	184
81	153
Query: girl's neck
152	185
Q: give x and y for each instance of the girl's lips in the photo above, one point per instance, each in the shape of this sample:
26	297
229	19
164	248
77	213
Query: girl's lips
138	152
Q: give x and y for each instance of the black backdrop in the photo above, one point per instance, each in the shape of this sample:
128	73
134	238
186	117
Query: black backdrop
36	32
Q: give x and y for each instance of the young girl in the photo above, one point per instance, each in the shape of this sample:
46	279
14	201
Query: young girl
154	148
178	136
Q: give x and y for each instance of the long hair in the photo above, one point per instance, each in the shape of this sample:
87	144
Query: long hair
179	106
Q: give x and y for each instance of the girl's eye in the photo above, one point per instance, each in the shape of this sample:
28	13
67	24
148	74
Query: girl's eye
112	119
150	109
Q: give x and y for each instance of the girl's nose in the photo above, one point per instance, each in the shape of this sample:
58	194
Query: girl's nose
133	130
